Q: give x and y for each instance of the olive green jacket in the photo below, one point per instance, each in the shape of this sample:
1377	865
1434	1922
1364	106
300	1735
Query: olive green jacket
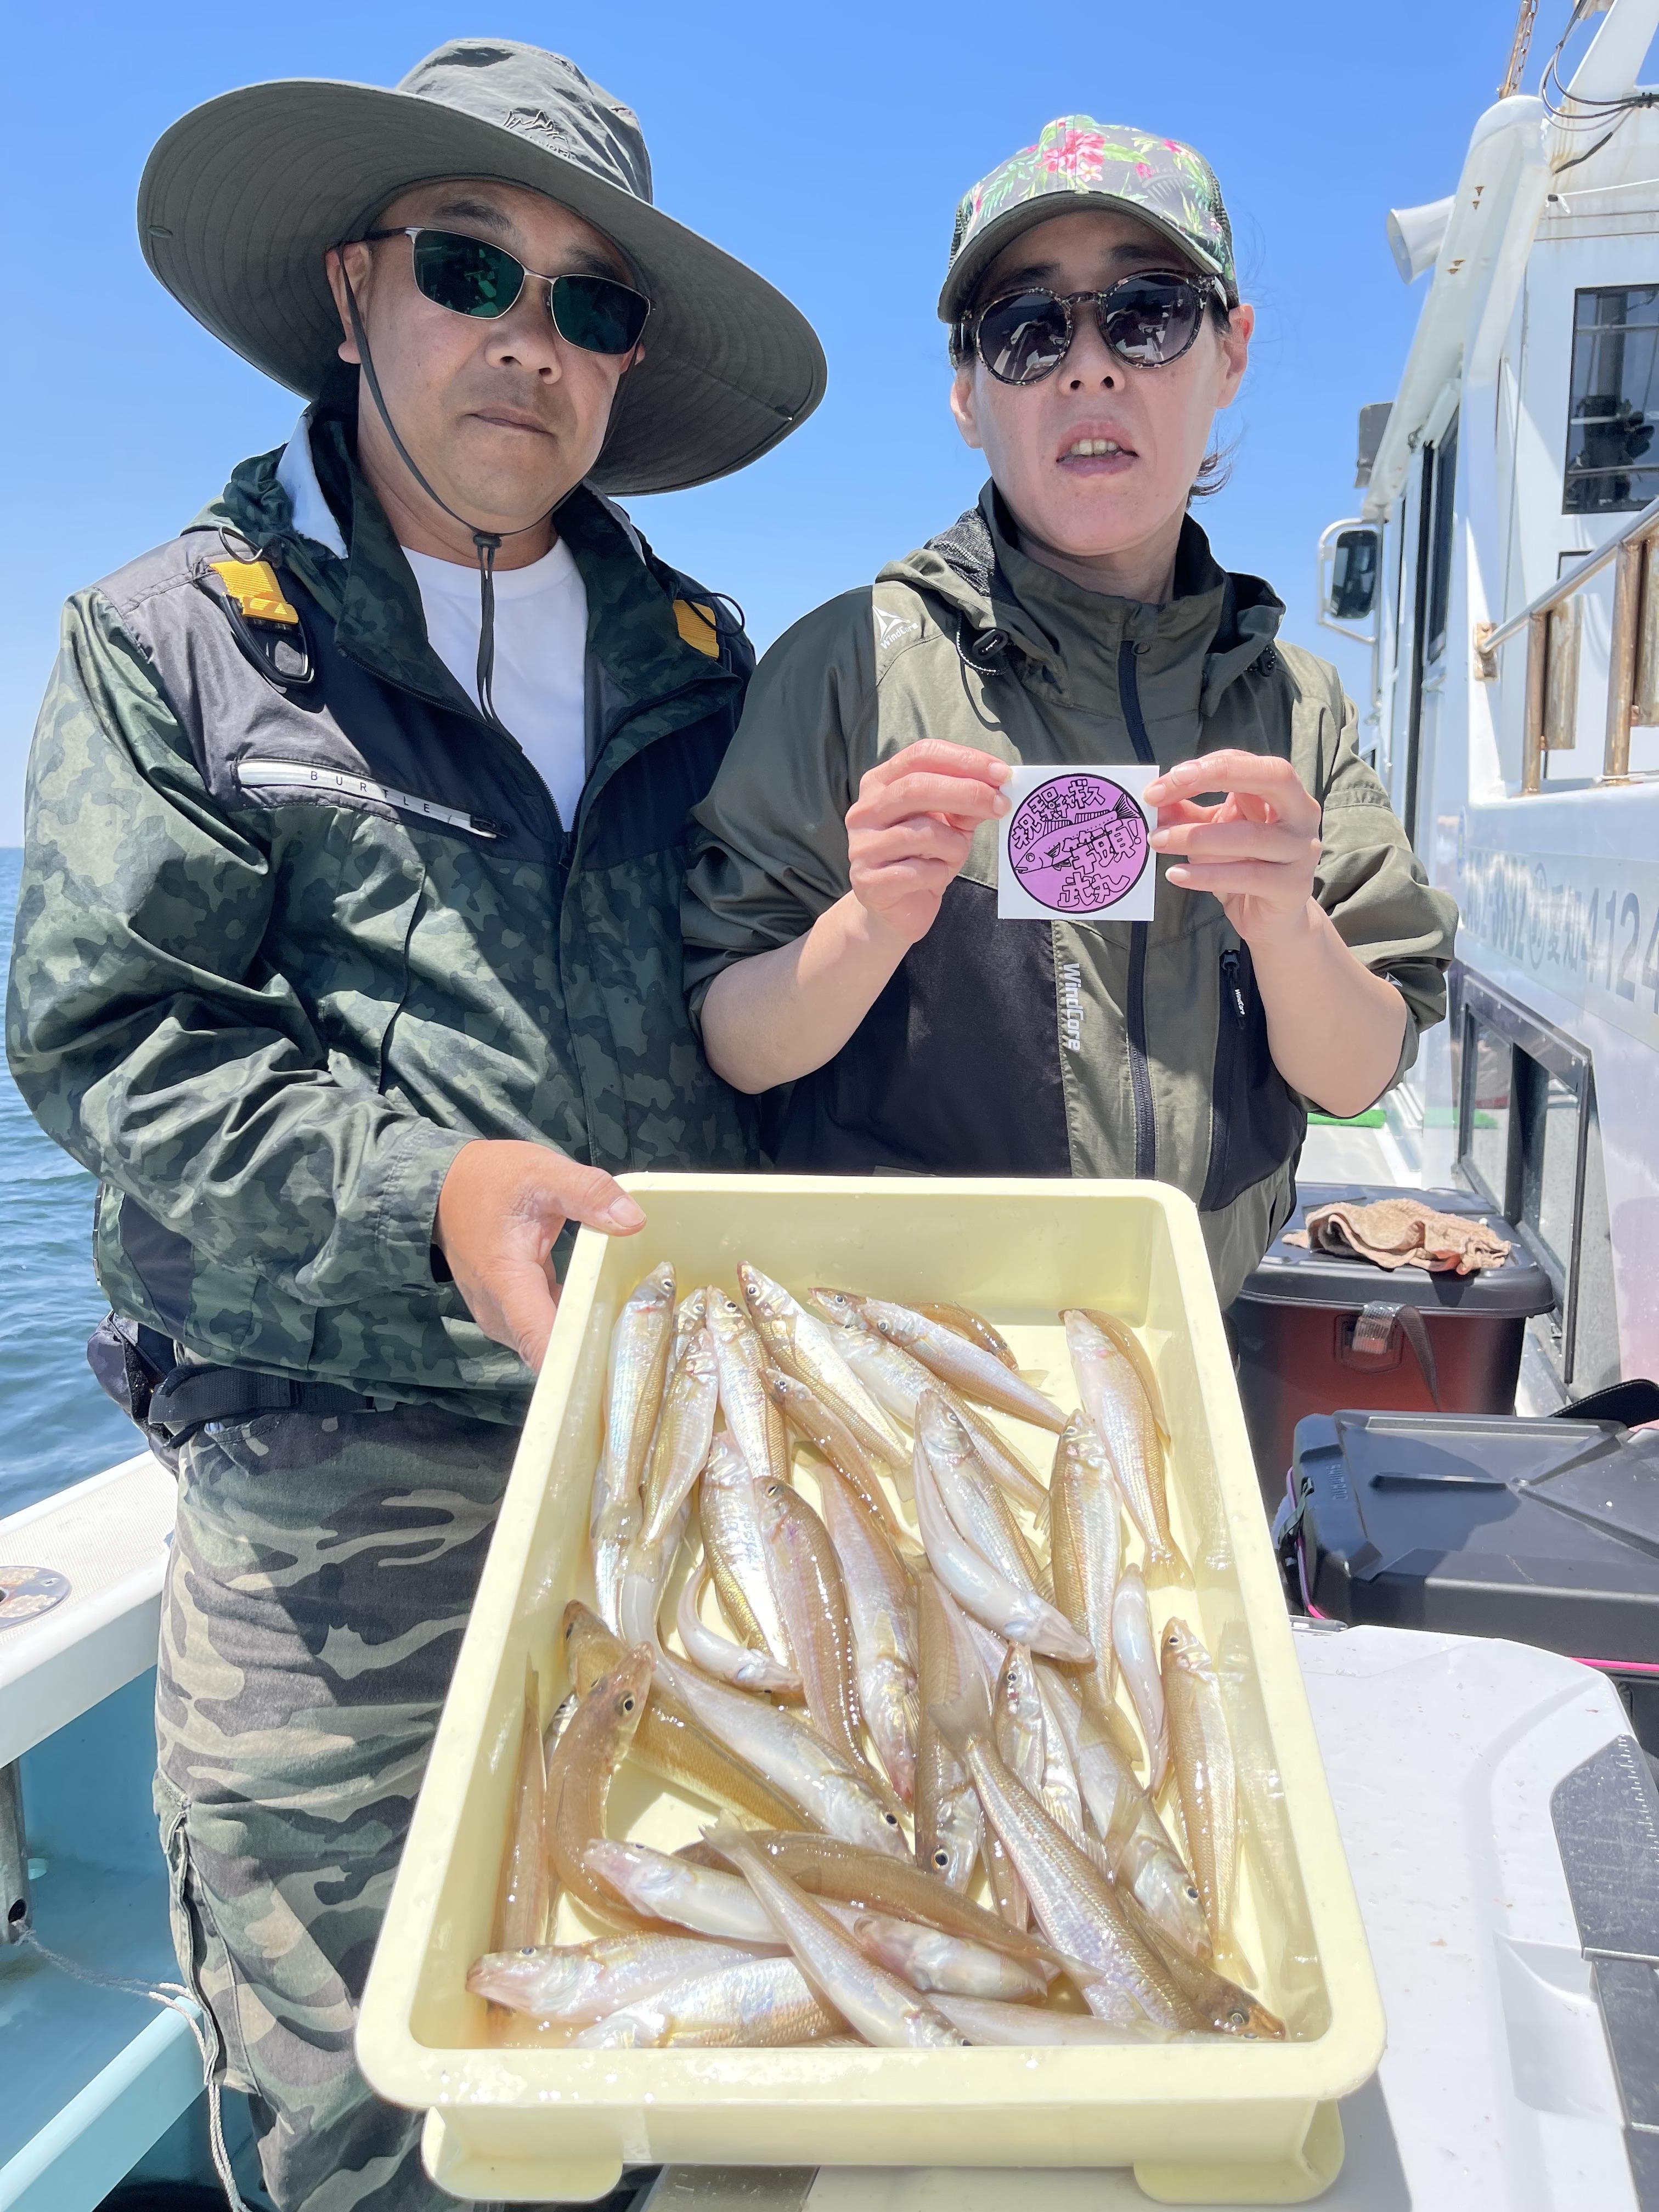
283	946
1068	1048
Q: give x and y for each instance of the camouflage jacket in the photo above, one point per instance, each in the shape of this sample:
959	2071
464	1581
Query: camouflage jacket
1071	1048
282	948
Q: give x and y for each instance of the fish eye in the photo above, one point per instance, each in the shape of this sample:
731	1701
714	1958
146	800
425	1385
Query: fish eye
941	1860
526	1951
1192	1894
629	1704
1237	2019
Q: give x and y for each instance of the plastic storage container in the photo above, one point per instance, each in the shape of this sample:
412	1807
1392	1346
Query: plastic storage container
1294	1324
1545	1531
1229	2121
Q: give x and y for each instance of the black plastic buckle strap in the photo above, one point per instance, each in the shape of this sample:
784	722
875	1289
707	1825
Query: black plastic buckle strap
1373	1333
192	1396
170	1398
130	1361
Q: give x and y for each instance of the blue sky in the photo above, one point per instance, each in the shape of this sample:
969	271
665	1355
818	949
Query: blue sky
827	146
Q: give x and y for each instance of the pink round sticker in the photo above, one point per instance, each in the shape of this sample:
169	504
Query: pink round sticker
1078	843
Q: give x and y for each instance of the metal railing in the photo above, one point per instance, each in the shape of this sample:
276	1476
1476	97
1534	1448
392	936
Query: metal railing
1553	626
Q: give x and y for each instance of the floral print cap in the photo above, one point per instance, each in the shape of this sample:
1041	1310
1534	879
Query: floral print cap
1078	162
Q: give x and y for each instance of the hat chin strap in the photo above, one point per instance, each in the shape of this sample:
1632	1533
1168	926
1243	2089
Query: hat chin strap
485	543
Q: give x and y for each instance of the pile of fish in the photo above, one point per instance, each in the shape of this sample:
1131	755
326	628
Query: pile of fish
937	1822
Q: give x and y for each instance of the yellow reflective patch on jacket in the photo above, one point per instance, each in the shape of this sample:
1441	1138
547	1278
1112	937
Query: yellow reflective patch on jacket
253	585
695	625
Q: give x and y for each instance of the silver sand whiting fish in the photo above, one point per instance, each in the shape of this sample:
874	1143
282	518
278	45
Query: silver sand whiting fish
685	1430
813	1598
1018	1613
806	1347
898	1380
724	1906
949	1824
1137	1653
1206	1783
956	1360
1116	1400
739	1358
735	1547
881	1603
736	1664
983	1675
634	1385
1128	1980
882	2009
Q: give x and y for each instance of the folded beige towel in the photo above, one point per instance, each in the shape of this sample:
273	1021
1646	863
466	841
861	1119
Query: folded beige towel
1403	1232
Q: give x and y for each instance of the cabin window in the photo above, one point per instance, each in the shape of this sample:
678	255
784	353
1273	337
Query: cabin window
1549	1107
1611	463
1489	1084
1441	540
1526	1112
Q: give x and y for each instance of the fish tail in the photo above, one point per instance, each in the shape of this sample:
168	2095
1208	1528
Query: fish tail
1165	1564
726	1838
1114	1721
965	1717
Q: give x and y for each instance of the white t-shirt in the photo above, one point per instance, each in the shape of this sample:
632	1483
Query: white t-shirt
541	647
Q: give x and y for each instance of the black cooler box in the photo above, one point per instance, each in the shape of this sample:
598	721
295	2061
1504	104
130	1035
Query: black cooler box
1296	1322
1544	1531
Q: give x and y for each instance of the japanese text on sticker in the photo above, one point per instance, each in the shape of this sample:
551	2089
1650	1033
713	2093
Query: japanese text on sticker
1076	843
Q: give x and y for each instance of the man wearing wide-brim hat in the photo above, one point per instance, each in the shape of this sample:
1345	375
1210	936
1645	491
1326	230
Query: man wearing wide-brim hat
347	955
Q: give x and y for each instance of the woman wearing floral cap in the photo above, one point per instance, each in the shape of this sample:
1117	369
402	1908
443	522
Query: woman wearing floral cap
843	948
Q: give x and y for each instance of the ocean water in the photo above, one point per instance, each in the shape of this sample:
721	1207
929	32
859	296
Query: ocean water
56	1424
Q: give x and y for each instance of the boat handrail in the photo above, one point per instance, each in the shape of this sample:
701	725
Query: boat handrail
1489	636
1552	656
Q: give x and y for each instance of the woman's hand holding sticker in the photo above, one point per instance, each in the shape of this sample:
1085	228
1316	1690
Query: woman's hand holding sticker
909	830
1257	851
1334	1027
775	1018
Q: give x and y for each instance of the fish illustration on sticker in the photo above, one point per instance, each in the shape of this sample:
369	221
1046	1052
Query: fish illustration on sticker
1075	846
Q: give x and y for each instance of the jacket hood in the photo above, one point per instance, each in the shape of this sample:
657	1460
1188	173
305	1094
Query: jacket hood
993	594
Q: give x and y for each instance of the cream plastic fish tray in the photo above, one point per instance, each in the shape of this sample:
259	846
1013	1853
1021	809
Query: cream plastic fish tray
1215	2121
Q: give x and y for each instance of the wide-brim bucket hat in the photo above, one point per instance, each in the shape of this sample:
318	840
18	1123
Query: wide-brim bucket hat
241	198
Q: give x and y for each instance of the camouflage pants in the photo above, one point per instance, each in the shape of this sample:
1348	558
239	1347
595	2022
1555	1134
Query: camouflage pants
320	1577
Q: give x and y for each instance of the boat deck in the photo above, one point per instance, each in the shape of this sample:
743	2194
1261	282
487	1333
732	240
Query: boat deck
92	2074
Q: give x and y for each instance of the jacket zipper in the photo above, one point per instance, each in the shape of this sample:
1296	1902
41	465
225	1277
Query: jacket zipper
1224	1083
1230	984
1140	1079
555	839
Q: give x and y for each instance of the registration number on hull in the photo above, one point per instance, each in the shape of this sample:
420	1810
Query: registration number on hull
1587	926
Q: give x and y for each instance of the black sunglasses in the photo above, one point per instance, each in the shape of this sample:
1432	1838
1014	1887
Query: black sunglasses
1147	321
472	277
